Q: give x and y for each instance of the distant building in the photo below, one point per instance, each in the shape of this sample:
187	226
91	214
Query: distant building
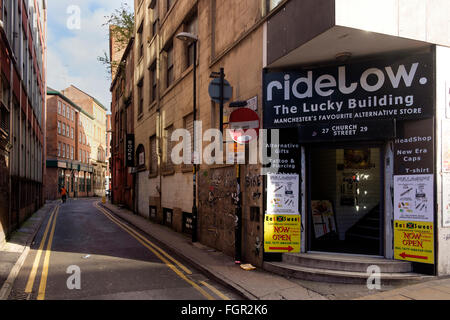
68	148
23	27
95	130
108	152
122	121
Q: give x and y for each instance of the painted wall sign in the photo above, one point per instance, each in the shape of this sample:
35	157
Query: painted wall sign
282	233
389	88
282	193
414	147
414	198
414	241
364	130
446	200
130	150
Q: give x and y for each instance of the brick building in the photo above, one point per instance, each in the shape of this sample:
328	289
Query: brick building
95	135
299	64
22	110
68	149
122	117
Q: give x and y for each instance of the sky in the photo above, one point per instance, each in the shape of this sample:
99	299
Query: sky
75	38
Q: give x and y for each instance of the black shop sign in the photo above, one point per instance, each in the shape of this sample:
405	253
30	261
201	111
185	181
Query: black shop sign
130	150
389	88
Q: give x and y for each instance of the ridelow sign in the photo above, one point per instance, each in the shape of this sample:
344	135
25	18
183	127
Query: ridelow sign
390	88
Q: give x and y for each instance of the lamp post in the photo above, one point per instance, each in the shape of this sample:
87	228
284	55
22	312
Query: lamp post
193	39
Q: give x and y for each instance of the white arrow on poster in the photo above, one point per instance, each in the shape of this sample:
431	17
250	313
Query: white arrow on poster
414	198
282	193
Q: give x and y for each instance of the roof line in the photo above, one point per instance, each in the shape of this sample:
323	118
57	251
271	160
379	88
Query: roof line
95	100
53	92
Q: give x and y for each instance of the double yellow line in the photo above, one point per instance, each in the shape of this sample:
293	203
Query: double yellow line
31	278
171	262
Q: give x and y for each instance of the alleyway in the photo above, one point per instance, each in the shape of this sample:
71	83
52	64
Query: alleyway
115	262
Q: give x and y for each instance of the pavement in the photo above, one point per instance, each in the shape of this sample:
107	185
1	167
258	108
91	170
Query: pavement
253	285
14	251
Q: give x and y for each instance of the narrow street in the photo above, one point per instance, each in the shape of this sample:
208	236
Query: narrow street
115	262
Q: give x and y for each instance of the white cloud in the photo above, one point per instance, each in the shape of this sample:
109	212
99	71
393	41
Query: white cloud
72	54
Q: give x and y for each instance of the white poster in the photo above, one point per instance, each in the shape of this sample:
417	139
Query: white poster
414	198
446	200
282	193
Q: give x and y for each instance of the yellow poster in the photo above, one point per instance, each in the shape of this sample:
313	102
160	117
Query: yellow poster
282	233
414	241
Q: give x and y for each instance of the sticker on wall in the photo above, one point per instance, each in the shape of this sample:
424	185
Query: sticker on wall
414	198
414	241
282	233
282	193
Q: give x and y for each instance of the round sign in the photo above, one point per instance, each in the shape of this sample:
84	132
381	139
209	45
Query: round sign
244	125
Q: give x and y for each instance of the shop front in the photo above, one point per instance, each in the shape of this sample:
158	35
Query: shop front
358	141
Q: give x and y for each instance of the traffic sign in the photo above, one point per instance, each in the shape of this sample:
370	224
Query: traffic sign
240	122
214	90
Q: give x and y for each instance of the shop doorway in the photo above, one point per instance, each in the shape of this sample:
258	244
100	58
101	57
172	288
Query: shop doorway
346	199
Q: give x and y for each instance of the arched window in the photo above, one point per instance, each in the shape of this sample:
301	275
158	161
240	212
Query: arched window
140	157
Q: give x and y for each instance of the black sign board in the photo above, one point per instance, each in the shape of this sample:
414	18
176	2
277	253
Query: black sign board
414	148
333	131
130	150
390	88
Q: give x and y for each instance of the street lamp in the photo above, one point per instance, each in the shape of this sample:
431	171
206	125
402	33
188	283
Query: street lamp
193	39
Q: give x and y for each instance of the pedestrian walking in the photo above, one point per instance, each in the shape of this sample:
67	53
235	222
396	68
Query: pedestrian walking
63	194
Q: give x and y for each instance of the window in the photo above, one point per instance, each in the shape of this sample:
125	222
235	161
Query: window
63	110
168	145
191	27
79	137
64	129
169	4
189	126
73	115
59	149
169	74
64	150
71	152
71	133
153	156
140	157
141	97
59	127
154	83
59	107
141	40
68	112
